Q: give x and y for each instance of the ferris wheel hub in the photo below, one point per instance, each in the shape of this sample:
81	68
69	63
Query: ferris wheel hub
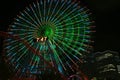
46	30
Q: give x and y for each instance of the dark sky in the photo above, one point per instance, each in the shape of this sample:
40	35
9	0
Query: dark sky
106	14
107	18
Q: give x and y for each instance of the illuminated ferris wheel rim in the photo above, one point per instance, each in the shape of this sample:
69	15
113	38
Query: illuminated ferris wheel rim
70	39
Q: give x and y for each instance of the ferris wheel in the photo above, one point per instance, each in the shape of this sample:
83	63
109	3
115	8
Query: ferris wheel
59	29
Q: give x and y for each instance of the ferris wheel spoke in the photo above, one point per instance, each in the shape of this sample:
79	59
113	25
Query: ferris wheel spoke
73	28
24	53
37	47
42	11
32	58
75	35
35	14
24	34
44	7
51	60
37	58
70	66
32	62
69	47
49	10
74	55
10	49
26	21
65	54
11	42
69	24
57	56
22	30
66	38
39	11
37	64
58	11
66	8
69	52
64	17
19	52
16	67
27	37
16	51
54	11
21	25
30	39
30	17
73	41
68	33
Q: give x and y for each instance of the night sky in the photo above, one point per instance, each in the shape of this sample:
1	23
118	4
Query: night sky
106	14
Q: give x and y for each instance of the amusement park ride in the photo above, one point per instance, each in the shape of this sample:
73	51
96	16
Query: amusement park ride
49	36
